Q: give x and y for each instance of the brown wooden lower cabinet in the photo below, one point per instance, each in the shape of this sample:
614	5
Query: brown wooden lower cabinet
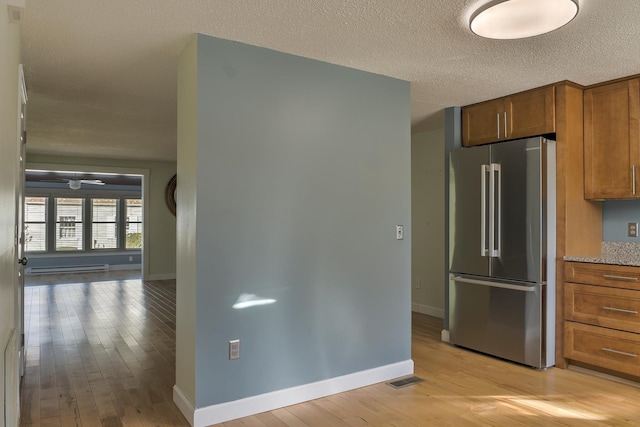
607	348
602	316
602	306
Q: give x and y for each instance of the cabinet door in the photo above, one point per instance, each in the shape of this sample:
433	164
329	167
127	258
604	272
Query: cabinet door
530	113
611	140
482	123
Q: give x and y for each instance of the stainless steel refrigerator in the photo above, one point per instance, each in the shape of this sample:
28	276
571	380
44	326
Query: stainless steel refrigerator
502	243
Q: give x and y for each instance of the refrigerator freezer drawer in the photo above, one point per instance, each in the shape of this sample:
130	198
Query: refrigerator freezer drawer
497	318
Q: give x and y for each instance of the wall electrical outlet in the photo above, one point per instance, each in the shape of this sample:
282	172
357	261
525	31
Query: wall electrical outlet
399	232
632	229
234	349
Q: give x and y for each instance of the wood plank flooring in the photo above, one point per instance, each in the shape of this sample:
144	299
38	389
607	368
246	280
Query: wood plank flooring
103	354
100	353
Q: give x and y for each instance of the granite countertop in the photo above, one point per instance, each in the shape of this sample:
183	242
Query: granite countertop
621	253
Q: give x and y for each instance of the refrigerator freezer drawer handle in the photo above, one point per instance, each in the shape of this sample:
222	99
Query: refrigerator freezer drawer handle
494	284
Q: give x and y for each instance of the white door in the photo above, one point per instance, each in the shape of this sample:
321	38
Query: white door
22	259
14	353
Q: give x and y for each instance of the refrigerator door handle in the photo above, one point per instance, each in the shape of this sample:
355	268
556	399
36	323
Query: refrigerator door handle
496	203
493	284
484	251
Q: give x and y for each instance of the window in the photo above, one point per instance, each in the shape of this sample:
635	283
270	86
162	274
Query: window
35	224
84	223
133	214
104	223
69	224
67	227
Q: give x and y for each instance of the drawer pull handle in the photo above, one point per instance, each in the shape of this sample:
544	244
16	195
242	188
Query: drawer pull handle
610	350
621	310
611	277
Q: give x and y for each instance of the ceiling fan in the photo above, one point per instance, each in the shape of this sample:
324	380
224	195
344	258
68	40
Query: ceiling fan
75	183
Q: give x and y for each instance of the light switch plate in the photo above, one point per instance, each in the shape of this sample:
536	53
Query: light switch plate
632	229
399	232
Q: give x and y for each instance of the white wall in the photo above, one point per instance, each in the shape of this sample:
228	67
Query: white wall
427	217
161	247
9	60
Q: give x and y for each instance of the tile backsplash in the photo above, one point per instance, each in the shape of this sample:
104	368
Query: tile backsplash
615	216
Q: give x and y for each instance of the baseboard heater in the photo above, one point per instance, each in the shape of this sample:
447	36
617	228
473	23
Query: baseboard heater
68	269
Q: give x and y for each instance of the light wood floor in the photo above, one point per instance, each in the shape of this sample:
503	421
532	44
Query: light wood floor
103	354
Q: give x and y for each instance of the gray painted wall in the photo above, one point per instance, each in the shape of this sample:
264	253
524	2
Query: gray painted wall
615	216
428	222
303	171
452	141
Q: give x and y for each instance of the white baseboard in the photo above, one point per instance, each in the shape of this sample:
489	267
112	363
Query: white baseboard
428	310
278	399
162	276
183	404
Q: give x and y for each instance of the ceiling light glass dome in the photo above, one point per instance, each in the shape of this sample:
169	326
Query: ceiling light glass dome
517	19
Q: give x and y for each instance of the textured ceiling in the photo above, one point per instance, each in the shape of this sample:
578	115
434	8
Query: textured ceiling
101	75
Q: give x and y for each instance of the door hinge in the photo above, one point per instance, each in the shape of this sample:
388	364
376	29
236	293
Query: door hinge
22	340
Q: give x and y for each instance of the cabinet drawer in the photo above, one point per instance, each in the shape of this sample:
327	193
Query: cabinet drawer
619	276
603	347
602	306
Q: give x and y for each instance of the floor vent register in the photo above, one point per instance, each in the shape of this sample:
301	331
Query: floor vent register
404	382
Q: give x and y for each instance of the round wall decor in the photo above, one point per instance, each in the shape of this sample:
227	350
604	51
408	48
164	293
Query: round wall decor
170	194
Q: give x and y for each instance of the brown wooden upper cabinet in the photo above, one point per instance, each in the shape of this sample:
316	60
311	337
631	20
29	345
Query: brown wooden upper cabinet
612	140
517	116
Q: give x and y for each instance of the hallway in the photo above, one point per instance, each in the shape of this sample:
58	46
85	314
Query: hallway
100	353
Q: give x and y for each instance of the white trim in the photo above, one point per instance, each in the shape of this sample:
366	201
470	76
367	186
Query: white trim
278	399
428	310
183	404
162	276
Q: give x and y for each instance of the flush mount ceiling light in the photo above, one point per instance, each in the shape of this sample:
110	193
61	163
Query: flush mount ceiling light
517	19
